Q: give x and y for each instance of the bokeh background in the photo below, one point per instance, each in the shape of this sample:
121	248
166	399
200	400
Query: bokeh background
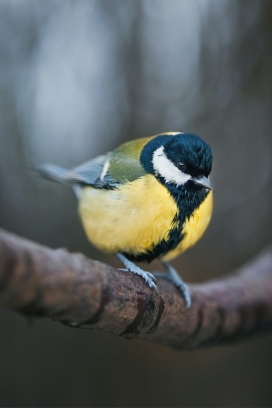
77	78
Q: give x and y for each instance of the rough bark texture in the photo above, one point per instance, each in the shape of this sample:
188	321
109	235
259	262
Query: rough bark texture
83	293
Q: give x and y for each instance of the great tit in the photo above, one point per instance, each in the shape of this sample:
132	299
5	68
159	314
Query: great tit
149	198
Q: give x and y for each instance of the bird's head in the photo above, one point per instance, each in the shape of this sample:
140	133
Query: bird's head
183	160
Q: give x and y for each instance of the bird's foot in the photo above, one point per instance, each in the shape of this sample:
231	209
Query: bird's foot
131	267
174	277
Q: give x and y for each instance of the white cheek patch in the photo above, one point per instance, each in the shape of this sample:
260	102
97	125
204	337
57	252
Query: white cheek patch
166	169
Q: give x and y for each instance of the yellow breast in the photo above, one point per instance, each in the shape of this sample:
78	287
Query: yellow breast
194	227
137	216
132	218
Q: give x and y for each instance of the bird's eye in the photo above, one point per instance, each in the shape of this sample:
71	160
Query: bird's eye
182	166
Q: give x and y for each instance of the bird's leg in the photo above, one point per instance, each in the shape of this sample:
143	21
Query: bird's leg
131	267
174	277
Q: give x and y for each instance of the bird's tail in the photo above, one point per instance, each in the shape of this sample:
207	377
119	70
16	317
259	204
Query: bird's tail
60	175
52	172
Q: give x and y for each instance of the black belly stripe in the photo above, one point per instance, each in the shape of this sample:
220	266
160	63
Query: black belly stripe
187	201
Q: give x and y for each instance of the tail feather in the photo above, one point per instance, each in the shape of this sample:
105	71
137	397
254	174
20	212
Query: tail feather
52	172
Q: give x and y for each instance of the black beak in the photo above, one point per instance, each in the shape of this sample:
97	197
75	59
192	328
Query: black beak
203	181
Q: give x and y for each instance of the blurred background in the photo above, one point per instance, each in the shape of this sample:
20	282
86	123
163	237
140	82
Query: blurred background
77	78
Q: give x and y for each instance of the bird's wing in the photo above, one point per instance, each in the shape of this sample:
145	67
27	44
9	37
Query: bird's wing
93	172
105	171
108	171
90	172
124	162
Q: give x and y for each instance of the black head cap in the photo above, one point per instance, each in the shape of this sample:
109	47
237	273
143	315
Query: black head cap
186	151
189	152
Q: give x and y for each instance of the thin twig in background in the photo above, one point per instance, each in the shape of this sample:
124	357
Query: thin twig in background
79	292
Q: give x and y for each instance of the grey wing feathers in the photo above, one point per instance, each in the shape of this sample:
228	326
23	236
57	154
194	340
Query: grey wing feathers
86	173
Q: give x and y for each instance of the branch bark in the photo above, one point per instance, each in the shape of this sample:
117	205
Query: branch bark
82	293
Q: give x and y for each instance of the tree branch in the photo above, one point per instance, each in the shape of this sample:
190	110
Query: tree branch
82	293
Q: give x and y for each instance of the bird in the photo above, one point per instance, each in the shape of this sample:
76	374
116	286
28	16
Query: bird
150	198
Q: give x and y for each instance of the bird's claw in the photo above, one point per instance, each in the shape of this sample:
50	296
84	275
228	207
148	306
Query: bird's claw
151	276
130	267
185	293
172	276
147	273
147	276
